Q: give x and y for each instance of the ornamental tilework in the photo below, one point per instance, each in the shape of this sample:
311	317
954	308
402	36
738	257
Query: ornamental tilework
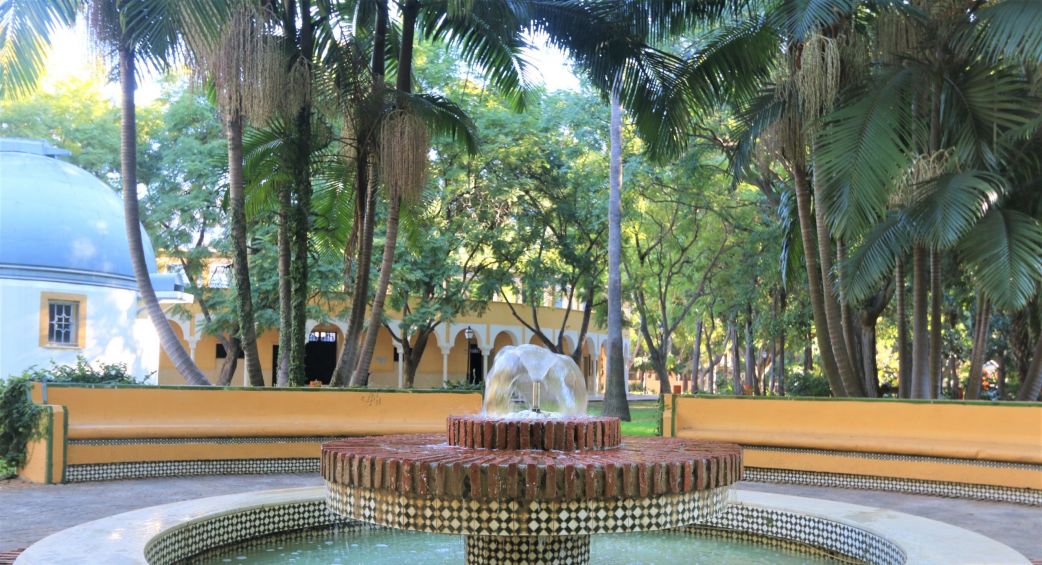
140	470
899	457
179	544
530	550
834	537
804	534
1030	497
522	518
205	440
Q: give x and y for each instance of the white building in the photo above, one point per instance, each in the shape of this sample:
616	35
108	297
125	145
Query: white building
67	287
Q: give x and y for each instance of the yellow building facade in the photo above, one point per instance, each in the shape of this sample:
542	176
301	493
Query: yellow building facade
448	358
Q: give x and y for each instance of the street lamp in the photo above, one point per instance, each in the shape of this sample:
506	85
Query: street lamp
469	334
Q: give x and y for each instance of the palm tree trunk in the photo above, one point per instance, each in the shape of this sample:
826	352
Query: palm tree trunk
243	291
615	402
365	357
696	359
868	357
360	293
736	360
132	218
365	187
285	287
920	333
1031	385
301	231
904	371
410	11
750	357
982	321
232	347
833	312
935	323
814	282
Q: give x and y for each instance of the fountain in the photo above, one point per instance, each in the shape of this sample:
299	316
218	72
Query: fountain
532	477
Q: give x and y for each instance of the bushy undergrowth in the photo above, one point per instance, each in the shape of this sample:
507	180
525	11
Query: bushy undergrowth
18	423
19	417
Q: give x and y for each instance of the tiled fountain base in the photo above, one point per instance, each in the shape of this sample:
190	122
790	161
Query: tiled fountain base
184	531
508	550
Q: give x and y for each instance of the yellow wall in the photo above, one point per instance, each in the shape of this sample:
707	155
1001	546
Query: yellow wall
137	412
45	455
852	430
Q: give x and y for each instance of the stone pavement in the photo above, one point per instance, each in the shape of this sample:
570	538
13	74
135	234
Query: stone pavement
30	512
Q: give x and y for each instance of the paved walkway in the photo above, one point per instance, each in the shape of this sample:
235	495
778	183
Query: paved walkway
30	512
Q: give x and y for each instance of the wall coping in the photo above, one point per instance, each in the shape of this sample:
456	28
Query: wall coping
124	538
1003	403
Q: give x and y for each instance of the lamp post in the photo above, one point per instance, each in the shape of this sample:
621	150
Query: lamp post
469	334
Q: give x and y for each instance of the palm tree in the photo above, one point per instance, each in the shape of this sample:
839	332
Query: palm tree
947	163
133	30
615	389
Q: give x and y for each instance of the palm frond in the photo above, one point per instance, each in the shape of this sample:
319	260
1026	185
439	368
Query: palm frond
801	18
1003	252
1007	29
876	256
25	35
754	120
863	146
488	36
948	206
445	118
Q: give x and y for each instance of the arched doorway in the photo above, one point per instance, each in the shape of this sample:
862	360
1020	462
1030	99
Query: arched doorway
320	353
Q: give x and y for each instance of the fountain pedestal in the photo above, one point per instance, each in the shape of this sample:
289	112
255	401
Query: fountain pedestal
518	488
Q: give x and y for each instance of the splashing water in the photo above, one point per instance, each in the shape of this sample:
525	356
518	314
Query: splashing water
528	381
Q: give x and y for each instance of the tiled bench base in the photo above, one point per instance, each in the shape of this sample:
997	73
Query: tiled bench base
911	486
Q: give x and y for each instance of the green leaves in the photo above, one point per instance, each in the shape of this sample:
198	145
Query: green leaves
25	33
949	205
1009	29
1004	252
876	257
863	147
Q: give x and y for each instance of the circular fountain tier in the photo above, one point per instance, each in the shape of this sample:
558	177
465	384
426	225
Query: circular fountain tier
528	490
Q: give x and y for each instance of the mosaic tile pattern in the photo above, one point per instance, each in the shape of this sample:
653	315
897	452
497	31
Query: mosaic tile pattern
147	469
205	440
832	536
505	550
804	534
522	518
898	457
1030	497
193	538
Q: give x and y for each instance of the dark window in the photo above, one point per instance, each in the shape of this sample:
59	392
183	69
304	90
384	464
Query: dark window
221	353
323	337
62	319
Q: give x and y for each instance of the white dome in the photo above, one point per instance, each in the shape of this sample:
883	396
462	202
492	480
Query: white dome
60	223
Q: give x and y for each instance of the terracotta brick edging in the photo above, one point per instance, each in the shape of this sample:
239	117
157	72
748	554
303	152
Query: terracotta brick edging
423	465
557	434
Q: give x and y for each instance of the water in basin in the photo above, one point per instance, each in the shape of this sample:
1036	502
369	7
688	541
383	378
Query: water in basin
378	546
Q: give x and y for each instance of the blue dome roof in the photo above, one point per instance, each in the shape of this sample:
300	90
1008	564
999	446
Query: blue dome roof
60	223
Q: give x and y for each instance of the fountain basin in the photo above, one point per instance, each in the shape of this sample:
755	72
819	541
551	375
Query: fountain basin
524	490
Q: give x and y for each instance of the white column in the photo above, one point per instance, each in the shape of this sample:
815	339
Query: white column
445	366
484	361
596	376
191	348
401	364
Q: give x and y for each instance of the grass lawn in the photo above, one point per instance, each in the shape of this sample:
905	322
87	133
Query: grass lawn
645	418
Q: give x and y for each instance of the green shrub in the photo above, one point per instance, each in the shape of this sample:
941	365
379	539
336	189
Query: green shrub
84	372
19	419
798	383
463	385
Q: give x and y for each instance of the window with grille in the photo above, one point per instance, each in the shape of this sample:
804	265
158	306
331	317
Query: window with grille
62	321
327	337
